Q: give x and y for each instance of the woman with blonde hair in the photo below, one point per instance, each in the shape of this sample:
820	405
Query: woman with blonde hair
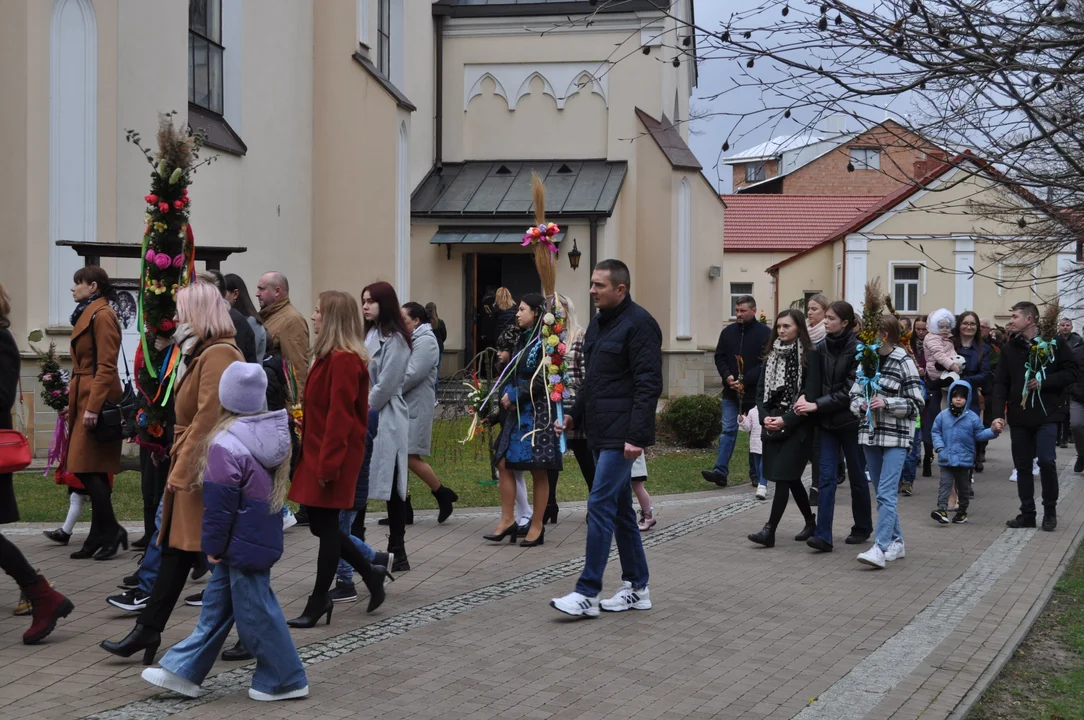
205	335
504	311
336	403
244	470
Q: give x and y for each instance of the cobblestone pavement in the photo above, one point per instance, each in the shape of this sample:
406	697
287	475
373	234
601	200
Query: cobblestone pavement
736	631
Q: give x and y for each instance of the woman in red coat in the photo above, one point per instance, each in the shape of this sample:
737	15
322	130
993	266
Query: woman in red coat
336	405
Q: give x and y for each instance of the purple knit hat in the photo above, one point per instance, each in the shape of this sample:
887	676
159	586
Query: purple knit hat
243	389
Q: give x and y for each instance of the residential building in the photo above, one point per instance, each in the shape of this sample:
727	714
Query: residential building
359	140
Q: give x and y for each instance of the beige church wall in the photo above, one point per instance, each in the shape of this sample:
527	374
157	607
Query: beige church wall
936	290
748	267
655	244
812	271
710	300
419	55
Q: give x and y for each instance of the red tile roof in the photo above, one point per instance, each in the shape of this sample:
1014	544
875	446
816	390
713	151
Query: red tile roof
787	222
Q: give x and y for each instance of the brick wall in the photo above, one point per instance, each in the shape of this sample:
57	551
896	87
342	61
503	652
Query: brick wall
771	169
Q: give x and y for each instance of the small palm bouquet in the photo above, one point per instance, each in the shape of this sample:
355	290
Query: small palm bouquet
1041	354
869	342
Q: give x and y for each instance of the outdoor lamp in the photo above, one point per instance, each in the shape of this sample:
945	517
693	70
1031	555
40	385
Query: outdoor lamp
574	255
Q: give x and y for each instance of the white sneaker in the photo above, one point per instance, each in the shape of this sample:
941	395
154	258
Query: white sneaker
288	520
170	681
1012	478
762	492
1035	467
895	551
271	697
576	604
628	599
874	557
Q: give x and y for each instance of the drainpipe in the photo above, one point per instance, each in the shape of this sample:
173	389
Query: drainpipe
592	253
438	147
843	280
775	290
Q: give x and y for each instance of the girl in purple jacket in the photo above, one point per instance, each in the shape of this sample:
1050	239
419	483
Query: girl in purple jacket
245	479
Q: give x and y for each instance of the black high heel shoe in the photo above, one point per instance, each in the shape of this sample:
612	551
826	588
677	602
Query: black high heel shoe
512	530
141	638
112	547
315	608
550	516
375	584
87	551
535	543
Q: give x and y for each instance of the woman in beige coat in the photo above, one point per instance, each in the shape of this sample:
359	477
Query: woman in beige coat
205	334
94	346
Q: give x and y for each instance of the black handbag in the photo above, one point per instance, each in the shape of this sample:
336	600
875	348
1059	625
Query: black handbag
116	420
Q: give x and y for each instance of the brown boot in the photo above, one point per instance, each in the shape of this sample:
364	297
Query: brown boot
48	607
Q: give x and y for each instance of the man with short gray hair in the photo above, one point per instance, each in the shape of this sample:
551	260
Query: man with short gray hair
284	323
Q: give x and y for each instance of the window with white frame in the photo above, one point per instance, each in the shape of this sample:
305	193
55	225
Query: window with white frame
864	158
905	280
756	171
383	37
738	290
205	54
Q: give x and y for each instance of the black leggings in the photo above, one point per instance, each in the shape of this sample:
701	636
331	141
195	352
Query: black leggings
103	522
324	524
585	458
152	485
14	563
779	503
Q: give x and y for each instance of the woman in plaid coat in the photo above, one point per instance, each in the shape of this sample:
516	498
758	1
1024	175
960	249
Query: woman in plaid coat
886	429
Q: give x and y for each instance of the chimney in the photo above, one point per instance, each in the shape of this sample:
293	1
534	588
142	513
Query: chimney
922	167
835	124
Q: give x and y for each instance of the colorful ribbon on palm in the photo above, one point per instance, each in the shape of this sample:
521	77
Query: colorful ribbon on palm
1041	353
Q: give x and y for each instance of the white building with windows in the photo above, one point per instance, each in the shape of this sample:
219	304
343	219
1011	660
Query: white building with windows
359	140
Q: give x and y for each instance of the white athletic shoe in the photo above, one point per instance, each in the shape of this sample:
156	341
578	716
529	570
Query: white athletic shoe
170	681
628	599
762	492
874	557
271	697
895	551
288	520
1012	478
577	605
1035	467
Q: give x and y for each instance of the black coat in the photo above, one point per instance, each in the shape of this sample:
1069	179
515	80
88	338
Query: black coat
746	341
1061	373
9	390
622	355
785	458
838	370
245	337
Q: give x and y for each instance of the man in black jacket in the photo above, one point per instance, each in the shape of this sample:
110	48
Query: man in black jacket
737	357
1035	408
1076	343
622	353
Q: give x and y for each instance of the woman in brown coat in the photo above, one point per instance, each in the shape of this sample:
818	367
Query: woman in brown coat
94	347
205	334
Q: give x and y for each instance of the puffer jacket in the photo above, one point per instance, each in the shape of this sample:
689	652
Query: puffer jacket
838	369
239	526
622	353
954	436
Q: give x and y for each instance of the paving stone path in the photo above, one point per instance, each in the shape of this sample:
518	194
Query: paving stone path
737	631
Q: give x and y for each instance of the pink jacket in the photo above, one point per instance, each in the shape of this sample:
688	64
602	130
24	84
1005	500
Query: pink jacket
751	424
938	350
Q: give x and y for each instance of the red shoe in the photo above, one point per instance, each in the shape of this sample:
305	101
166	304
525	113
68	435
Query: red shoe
49	606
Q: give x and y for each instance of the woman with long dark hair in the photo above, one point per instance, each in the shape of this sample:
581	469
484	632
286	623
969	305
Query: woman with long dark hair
333	448
95	345
389	344
528	440
47	605
976	354
830	408
792	372
239	297
919	330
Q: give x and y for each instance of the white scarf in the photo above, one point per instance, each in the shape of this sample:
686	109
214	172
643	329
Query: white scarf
782	372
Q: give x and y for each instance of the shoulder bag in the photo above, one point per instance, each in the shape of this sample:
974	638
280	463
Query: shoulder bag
14	447
116	420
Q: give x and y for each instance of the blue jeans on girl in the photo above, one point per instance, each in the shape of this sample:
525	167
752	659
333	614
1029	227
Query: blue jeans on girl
885	464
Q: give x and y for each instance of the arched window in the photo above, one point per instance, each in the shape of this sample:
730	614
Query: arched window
402	216
684	260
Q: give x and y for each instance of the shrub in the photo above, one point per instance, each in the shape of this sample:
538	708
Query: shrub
693	420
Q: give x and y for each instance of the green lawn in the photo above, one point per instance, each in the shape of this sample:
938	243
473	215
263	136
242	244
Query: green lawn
464	468
1044	680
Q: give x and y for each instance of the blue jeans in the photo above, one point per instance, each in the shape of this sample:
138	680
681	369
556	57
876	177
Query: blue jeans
729	436
1035	442
756	469
834	443
152	558
247	597
910	465
345	573
885	465
609	513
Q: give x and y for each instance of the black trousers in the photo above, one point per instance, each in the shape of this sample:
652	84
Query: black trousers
103	521
334	544
779	502
14	563
396	521
584	458
168	586
152	484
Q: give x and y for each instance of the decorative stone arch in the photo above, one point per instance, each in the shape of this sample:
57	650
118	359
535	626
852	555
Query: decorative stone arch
476	90
560	80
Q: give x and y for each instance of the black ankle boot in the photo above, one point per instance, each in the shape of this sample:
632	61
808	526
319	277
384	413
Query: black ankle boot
807	531
374	577
315	608
765	537
142	638
400	563
113	545
445	497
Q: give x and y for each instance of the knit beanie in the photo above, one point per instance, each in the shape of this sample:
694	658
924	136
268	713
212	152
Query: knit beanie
243	389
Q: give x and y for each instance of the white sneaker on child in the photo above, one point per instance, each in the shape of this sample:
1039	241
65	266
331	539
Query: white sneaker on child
762	492
1012	478
171	681
895	551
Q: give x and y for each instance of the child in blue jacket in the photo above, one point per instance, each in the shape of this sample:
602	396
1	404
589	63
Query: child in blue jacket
956	430
245	477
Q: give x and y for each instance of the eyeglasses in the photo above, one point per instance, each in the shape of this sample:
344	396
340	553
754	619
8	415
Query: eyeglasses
968	324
